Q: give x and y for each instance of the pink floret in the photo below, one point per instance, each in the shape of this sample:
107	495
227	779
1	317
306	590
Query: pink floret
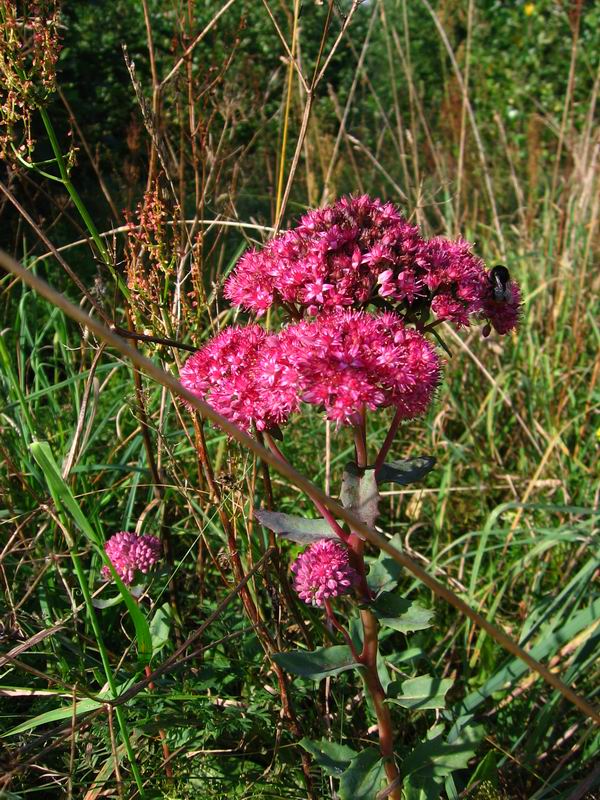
130	553
323	571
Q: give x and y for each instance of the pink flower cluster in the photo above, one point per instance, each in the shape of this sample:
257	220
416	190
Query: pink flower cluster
503	314
331	259
349	361
246	375
344	362
130	553
322	571
361	250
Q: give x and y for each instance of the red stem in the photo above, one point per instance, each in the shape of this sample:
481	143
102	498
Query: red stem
368	658
338	626
324	512
391	434
360	439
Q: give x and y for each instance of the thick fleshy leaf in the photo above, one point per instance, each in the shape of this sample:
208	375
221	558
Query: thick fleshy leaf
98	602
333	758
384	572
359	493
438	757
317	664
405	471
420	693
297	529
364	778
401	614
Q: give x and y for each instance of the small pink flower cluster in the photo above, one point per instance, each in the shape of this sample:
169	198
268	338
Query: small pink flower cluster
130	553
360	250
246	375
322	571
343	362
503	314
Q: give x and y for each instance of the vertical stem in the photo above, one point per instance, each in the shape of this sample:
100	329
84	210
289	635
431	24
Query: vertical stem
368	658
388	439
361	445
286	118
105	661
78	202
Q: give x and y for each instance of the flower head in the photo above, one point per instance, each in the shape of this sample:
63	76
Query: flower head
130	553
359	251
332	258
322	571
348	361
246	376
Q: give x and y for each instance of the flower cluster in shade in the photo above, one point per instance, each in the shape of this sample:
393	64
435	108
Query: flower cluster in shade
343	362
358	251
323	571
130	553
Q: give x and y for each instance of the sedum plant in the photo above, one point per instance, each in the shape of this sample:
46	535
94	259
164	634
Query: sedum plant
361	291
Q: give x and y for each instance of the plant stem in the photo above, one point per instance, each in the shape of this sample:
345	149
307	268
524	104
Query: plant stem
339	627
389	439
79	571
368	656
78	202
360	445
368	659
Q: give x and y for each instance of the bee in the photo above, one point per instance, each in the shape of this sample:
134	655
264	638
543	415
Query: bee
500	284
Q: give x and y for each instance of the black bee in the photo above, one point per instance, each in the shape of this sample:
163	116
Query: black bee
500	284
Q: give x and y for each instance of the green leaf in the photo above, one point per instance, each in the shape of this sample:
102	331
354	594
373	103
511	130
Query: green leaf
319	663
421	693
298	529
436	758
333	758
548	643
65	502
401	614
60	491
384	572
160	627
422	787
405	471
65	712
359	493
98	602
364	778
487	770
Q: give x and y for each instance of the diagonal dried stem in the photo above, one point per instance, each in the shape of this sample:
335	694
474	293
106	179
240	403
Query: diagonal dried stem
296	478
